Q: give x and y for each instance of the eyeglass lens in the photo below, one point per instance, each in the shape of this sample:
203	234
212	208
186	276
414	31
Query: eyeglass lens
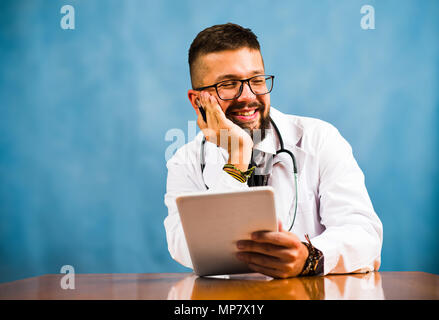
231	89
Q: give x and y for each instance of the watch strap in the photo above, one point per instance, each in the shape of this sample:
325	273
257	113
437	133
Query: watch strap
315	262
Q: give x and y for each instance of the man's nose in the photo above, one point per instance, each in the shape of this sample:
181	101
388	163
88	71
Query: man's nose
246	93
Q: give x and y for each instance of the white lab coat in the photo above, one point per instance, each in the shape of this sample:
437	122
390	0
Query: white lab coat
334	207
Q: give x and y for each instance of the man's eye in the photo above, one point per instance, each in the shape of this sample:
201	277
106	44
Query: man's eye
257	82
228	84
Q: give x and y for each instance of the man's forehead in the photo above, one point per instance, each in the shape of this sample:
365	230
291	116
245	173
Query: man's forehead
228	64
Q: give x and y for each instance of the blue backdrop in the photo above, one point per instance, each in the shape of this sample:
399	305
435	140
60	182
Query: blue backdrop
84	113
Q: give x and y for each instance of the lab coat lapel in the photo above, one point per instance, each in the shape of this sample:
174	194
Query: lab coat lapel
291	136
282	176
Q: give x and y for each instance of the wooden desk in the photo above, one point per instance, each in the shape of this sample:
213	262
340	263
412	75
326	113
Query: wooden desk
158	286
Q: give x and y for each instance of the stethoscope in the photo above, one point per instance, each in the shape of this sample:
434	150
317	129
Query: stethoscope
261	180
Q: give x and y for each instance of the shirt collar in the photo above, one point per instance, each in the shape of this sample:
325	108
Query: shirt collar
289	128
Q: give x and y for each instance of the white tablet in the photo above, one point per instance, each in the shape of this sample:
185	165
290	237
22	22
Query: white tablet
214	221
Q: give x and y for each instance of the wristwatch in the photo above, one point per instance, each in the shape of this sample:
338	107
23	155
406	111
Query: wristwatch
315	261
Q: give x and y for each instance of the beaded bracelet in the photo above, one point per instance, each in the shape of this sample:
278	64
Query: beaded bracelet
241	176
315	261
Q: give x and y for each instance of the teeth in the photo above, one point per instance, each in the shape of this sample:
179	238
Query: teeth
249	113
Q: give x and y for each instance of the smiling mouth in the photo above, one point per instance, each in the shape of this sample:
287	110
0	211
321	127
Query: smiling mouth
244	113
244	116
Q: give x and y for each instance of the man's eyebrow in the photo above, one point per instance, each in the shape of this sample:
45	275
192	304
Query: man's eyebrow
234	76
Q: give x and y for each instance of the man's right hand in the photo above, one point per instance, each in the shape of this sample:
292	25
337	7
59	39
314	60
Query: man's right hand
224	133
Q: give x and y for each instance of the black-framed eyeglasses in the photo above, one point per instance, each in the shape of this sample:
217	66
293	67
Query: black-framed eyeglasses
232	89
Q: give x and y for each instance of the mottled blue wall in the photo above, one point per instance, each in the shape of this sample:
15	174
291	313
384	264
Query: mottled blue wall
84	113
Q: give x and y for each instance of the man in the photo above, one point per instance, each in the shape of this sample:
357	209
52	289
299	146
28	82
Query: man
334	227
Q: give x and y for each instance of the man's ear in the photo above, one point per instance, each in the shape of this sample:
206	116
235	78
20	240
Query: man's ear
193	95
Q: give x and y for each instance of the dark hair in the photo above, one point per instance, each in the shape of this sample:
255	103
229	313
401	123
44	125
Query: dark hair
221	37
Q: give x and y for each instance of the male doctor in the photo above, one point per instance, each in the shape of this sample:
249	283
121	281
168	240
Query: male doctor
334	228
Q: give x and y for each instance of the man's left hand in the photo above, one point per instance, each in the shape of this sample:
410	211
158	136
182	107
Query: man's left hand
276	254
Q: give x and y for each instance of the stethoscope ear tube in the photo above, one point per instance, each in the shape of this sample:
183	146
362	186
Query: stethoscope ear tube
282	148
292	158
295	203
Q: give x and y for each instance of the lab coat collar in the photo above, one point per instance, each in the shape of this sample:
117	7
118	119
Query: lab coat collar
291	131
271	143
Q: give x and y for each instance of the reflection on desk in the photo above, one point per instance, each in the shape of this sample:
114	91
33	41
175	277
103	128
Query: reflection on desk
260	287
159	286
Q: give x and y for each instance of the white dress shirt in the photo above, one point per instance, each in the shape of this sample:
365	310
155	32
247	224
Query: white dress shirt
334	208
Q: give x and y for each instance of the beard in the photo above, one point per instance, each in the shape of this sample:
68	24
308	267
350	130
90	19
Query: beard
258	132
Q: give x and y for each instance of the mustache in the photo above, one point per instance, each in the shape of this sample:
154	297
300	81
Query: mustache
241	105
